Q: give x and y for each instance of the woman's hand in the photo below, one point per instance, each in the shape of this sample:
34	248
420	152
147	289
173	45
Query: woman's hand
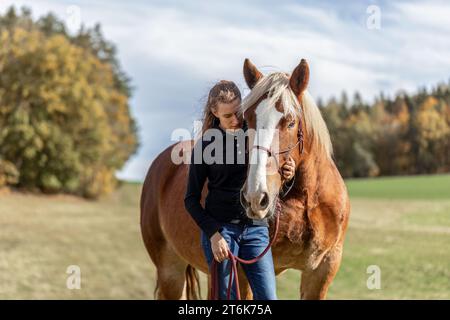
288	169
219	247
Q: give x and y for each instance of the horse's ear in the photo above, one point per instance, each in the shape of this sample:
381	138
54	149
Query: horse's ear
251	73
300	78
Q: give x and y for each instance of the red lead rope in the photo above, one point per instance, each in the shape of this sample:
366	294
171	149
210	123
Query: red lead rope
234	260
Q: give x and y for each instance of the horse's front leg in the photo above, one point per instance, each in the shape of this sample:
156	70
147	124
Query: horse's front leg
315	283
328	241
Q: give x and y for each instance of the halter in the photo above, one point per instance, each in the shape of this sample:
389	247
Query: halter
288	150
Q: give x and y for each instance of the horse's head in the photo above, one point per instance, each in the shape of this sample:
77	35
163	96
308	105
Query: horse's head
273	113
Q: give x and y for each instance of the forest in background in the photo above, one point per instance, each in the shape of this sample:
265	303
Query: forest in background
404	135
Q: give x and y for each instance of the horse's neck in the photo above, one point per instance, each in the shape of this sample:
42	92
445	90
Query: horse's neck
309	174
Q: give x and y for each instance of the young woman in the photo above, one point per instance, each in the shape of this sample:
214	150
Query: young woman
223	222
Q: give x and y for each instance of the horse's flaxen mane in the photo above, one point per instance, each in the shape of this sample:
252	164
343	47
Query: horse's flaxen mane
277	86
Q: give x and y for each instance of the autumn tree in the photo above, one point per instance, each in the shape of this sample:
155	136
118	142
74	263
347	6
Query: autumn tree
409	134
65	124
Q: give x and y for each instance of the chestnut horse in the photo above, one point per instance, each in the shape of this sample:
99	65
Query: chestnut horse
314	214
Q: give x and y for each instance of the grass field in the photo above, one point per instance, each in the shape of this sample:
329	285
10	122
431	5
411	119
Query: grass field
401	225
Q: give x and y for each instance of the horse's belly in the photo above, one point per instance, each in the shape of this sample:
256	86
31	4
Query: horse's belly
182	234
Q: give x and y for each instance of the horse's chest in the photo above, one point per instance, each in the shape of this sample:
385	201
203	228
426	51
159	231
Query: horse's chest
294	237
294	225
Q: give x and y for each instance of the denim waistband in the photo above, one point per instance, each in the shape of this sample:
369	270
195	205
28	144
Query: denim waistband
248	221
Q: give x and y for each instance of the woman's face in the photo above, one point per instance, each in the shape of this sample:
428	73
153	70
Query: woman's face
226	112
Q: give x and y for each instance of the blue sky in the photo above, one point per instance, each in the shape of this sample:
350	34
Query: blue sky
174	51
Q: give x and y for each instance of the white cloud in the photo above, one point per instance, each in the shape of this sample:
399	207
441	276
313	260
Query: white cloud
426	15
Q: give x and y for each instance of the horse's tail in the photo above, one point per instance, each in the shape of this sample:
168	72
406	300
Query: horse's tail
193	290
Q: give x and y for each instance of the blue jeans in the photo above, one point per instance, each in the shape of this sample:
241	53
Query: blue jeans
247	242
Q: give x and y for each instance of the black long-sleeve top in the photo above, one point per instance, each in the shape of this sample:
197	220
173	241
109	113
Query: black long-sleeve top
225	180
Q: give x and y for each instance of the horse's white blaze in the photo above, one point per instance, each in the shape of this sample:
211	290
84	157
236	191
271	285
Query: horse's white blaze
267	119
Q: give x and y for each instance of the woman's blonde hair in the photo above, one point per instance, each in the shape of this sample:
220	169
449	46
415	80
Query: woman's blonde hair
223	91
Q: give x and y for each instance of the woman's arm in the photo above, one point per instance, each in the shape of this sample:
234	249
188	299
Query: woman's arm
196	180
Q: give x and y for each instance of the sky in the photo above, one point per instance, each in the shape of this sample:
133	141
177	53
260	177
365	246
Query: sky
175	51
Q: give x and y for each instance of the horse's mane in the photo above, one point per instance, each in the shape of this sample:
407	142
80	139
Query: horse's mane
277	86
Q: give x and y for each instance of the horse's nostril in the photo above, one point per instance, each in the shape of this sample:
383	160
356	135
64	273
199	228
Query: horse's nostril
264	201
244	201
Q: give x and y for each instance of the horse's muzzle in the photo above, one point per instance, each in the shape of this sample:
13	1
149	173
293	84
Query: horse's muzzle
258	205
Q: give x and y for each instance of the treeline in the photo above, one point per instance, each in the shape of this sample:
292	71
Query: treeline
403	135
65	123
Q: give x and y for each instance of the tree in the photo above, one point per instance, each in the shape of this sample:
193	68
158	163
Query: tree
409	134
432	136
65	124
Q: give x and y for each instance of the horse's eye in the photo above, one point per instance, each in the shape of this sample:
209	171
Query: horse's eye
291	124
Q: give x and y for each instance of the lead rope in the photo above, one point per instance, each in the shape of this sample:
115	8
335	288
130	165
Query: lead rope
234	260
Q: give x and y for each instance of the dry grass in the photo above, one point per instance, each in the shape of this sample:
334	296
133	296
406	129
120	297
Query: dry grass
41	236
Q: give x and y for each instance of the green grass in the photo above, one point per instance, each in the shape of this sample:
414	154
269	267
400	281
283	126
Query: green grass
400	224
409	187
413	256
